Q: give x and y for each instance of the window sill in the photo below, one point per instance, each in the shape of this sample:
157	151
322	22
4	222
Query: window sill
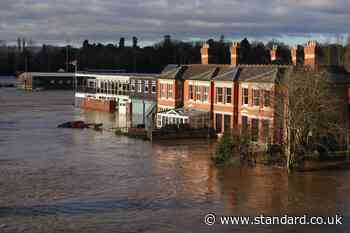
198	101
162	98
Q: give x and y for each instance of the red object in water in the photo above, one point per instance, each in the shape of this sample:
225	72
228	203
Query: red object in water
78	125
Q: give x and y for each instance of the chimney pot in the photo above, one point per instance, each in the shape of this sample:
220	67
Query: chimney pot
234	50
273	53
310	54
294	55
205	54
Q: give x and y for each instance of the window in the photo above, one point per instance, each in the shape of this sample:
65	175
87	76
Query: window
133	85
159	121
266	98
198	92
170	91
266	130
154	87
228	95
163	91
256	97
190	92
146	86
112	87
164	120
244	122
139	86
205	94
218	122
245	96
255	130
219	95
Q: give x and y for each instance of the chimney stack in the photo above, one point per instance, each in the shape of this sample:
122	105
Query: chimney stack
273	53
205	54
234	50
310	54
294	55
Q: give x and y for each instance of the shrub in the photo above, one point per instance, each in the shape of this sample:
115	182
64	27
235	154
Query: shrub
233	143
224	150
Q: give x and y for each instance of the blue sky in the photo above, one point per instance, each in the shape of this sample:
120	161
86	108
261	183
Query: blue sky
55	22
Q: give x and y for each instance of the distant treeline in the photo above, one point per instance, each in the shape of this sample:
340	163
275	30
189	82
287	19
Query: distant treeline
150	59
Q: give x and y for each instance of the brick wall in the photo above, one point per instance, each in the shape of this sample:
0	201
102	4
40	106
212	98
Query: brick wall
260	112
98	105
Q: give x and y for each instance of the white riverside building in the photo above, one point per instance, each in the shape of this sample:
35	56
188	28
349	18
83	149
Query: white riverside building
131	94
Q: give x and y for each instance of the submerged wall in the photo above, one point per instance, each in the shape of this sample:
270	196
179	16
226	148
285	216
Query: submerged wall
99	105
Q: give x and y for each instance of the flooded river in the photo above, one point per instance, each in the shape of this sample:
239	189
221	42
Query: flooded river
63	180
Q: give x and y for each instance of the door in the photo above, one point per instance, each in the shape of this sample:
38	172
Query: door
218	122
227	123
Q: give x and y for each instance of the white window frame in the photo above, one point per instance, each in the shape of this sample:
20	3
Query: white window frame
205	97
133	86
245	96
191	92
222	95
266	93
170	94
226	96
197	93
145	85
154	86
139	86
256	97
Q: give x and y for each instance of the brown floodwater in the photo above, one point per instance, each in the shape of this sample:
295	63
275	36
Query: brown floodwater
64	180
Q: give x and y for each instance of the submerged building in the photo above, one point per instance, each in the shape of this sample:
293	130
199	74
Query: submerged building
45	81
128	94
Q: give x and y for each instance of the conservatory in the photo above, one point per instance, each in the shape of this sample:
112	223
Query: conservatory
195	118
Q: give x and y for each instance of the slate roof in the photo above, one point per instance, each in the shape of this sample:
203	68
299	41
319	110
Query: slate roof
203	72
173	72
227	74
205	76
170	67
244	73
258	74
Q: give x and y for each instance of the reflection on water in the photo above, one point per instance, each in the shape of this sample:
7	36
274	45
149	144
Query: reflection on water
63	180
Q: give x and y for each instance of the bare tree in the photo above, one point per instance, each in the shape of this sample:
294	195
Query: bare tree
347	55
314	106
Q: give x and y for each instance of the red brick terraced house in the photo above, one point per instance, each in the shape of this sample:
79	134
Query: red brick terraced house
232	95
225	94
256	101
170	88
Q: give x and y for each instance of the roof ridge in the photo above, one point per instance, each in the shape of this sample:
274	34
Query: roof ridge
264	65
